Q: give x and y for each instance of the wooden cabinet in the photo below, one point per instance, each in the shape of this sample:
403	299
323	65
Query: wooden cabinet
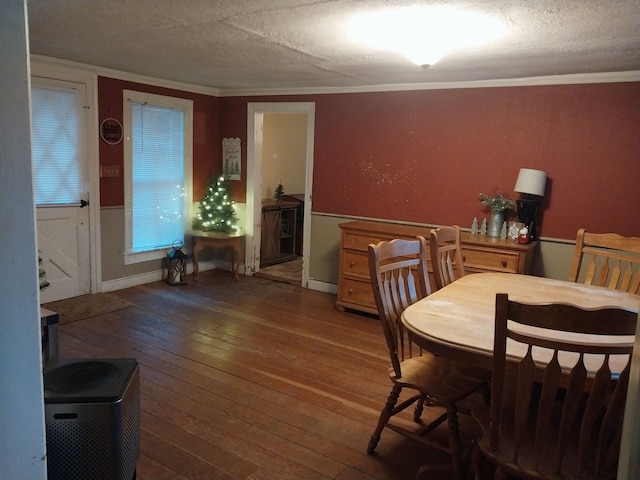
480	254
278	232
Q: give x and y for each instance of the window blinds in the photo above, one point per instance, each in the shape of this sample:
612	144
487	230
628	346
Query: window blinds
157	202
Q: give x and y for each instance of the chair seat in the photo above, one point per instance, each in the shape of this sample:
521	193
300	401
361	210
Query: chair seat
447	381
526	455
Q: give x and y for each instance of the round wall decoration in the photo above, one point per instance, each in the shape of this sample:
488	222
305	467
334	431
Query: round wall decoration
111	131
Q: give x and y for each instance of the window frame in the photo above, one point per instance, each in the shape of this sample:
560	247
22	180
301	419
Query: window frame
186	105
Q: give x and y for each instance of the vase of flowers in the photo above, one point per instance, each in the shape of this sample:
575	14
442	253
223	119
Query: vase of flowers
498	203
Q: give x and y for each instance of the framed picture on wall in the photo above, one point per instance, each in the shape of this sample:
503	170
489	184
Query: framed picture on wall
231	155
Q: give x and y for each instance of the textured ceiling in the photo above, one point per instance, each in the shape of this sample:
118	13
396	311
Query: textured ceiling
288	44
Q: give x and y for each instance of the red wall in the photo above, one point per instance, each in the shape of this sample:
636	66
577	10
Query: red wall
424	156
207	147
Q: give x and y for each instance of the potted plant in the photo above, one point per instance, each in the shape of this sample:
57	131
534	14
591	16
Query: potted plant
498	203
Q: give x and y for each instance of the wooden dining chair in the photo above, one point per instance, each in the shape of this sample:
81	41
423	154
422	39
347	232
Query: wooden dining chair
446	255
550	422
399	278
607	260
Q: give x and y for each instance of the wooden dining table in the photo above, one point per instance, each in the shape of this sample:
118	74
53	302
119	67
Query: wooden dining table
458	320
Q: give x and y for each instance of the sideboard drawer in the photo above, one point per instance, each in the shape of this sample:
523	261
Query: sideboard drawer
357	295
488	260
355	264
361	241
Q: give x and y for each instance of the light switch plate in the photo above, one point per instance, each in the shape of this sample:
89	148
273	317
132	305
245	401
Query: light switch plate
109	170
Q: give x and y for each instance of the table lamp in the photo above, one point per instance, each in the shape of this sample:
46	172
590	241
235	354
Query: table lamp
531	184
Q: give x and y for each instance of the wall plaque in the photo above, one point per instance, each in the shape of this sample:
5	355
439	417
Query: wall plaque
111	131
231	157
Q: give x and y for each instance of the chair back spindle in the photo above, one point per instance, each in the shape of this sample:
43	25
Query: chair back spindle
399	279
607	260
446	255
561	422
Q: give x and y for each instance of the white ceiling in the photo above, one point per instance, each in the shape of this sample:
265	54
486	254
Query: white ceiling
290	44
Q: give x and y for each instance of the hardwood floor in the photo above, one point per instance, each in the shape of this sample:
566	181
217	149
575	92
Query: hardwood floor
251	379
289	272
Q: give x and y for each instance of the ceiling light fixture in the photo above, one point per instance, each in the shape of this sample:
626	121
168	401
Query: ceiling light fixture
425	34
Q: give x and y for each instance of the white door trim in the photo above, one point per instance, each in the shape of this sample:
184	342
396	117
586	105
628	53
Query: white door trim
255	111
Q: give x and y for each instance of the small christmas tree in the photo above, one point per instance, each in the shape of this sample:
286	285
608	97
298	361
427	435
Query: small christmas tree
217	211
42	275
279	192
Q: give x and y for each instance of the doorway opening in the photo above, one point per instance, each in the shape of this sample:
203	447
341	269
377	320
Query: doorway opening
261	185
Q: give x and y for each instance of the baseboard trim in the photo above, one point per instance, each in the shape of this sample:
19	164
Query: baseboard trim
322	286
158	275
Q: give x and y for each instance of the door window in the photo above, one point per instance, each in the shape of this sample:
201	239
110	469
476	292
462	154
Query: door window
57	134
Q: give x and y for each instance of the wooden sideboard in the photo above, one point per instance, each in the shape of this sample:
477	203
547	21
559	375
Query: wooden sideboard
479	252
278	235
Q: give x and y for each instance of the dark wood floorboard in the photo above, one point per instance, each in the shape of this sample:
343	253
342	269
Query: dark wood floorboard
251	380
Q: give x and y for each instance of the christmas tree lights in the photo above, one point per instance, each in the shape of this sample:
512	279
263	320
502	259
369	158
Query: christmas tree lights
217	210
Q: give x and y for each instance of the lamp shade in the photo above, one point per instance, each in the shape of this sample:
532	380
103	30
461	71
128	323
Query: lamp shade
531	181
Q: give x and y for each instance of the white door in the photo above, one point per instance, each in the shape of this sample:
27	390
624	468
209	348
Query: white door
61	186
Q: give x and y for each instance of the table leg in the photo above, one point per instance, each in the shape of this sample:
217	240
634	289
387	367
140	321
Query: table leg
235	263
196	251
234	244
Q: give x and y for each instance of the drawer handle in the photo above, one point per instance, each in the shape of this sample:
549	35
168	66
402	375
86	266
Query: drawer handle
351	264
464	258
504	263
350	291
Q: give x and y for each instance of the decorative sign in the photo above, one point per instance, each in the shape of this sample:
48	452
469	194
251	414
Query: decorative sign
231	156
111	131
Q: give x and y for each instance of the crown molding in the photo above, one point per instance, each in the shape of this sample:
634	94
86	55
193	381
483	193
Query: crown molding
51	63
581	78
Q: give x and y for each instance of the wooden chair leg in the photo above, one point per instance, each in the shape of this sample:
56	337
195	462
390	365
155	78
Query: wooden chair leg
474	470
385	415
417	413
